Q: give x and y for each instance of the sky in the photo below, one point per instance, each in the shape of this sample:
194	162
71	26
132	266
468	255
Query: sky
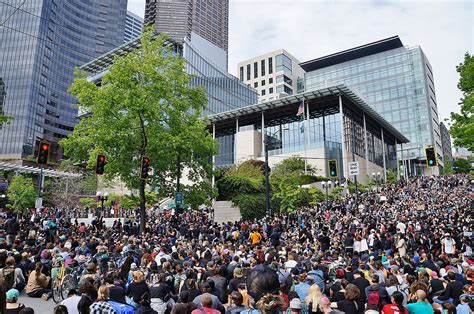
309	29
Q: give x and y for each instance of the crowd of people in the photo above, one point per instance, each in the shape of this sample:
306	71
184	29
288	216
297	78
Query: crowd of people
404	249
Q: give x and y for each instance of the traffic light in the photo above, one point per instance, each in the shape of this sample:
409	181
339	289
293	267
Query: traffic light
100	165
43	152
145	167
430	156
332	167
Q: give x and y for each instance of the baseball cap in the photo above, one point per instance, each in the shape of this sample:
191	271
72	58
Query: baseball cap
238	272
295	304
12	294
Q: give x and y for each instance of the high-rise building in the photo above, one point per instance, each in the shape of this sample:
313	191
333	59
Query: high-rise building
397	81
224	91
207	18
273	74
446	143
133	27
41	42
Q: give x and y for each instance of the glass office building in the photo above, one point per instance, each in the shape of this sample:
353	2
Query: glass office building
337	125
41	42
224	91
396	81
133	27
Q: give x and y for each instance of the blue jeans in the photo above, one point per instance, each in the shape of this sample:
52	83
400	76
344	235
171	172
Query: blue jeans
450	300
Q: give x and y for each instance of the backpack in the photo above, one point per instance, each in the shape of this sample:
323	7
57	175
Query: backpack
121	308
374	298
7	276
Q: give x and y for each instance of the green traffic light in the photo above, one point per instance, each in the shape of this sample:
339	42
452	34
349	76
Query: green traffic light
431	162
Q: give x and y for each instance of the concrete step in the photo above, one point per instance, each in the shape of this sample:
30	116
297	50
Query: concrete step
224	211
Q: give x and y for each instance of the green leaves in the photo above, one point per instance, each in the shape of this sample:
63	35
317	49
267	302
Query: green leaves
21	194
462	127
145	106
5	119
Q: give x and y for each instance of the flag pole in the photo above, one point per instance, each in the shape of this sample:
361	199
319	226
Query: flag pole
305	136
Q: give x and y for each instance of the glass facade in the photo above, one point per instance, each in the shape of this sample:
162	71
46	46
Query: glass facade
398	84
224	91
40	44
133	27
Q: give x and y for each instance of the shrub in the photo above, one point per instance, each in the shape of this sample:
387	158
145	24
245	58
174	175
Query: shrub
231	186
252	206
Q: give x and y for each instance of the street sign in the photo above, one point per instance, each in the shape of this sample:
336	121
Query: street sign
354	168
39	203
178	199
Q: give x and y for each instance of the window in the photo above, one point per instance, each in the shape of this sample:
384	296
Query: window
270	65
284	89
263	92
270	90
255	69
255	84
283	63
284	78
248	72
270	80
262	67
262	83
241	73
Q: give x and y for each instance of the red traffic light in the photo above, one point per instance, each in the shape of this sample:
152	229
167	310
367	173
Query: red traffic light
146	160
43	152
100	165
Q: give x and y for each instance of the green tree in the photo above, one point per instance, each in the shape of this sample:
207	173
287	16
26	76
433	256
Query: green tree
145	106
291	166
448	167
462	165
462	127
5	119
21	194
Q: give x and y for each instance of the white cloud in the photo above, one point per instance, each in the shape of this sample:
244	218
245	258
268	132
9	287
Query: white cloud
312	28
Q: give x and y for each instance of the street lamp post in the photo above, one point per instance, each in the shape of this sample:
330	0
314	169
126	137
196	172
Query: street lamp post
326	186
102	197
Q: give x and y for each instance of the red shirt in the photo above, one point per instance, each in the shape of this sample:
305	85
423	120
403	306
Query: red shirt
393	309
205	310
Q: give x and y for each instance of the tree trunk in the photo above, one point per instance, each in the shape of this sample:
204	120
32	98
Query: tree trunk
142	207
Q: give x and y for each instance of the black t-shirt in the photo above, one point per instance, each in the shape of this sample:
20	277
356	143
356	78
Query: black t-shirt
117	293
436	286
351	307
361	283
136	290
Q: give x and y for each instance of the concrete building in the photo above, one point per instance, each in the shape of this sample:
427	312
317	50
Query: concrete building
41	42
133	27
446	143
273	75
397	81
178	18
224	91
338	125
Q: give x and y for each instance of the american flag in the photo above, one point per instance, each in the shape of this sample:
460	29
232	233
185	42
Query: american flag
300	109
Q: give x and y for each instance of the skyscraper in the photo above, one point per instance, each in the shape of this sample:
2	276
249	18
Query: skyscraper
41	42
397	81
133	27
207	18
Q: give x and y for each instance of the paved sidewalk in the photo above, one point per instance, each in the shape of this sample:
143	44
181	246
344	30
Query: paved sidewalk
39	305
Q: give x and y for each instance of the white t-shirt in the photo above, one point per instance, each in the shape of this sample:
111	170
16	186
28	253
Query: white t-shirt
71	304
449	245
401	227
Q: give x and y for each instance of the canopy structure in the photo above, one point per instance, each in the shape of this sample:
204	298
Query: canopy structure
37	170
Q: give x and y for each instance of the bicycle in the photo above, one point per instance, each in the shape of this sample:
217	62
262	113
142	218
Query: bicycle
62	284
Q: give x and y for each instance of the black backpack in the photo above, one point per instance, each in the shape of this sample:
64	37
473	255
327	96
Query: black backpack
7	276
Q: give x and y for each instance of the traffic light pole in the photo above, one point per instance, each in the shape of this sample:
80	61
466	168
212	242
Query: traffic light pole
40	182
267	179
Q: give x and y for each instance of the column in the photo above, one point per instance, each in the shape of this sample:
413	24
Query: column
344	161
213	179
235	139
366	145
403	161
263	134
383	158
398	167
